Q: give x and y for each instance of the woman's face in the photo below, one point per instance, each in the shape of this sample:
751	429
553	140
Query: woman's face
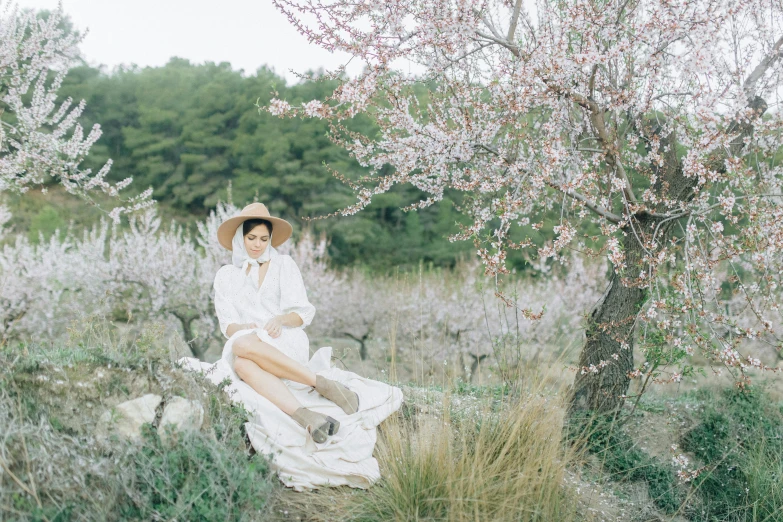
256	240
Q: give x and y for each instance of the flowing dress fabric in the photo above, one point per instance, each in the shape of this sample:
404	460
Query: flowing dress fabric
346	457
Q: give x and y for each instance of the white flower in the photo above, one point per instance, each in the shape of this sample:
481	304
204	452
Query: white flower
313	108
278	107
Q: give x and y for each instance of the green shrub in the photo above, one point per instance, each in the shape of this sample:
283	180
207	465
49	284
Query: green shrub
619	455
195	478
61	478
47	221
738	439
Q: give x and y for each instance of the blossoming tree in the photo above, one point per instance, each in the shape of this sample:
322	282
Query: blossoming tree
38	139
648	120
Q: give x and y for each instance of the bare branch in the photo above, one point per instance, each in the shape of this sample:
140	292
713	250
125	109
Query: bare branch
610	216
501	41
750	82
491	27
514	18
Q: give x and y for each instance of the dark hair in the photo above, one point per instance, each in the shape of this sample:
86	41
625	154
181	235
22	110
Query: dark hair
250	224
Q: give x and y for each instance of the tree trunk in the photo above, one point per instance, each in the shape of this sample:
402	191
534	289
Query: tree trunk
198	349
612	323
477	360
362	343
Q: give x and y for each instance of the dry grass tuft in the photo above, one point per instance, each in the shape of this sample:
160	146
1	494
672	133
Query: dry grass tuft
506	463
502	465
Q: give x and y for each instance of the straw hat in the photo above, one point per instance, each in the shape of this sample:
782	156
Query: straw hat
281	229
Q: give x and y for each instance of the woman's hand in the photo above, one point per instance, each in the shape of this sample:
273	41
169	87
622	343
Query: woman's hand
235	327
274	327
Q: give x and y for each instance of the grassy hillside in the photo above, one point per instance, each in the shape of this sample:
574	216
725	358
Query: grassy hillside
454	452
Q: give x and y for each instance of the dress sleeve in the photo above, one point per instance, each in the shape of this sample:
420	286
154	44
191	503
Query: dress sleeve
293	296
225	310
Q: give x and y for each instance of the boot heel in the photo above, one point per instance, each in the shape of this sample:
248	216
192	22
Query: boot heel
318	425
334	425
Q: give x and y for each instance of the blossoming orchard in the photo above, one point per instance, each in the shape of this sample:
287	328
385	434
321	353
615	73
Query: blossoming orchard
655	125
134	274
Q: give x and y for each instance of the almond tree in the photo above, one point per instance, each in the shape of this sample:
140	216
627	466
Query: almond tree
40	140
357	307
140	274
45	286
648	120
41	287
454	314
157	274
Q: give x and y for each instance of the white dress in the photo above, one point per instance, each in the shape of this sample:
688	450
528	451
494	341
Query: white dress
239	300
346	457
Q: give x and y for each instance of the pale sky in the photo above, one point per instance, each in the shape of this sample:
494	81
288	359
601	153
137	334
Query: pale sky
246	33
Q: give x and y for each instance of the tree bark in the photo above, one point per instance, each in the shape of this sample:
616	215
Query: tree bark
613	319
610	324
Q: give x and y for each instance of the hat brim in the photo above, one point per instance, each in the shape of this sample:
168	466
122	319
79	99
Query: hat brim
281	230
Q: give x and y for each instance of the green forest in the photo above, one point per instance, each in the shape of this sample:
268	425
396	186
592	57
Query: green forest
191	131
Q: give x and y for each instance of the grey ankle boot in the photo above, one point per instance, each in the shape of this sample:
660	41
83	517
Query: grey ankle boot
319	425
338	393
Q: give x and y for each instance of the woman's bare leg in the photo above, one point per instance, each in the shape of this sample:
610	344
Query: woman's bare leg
267	385
272	360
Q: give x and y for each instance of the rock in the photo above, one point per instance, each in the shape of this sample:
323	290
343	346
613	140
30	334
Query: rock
126	418
182	414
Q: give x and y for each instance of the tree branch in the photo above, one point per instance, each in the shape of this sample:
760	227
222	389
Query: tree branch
501	41
576	97
609	216
491	27
755	102
357	339
597	119
514	17
750	82
612	151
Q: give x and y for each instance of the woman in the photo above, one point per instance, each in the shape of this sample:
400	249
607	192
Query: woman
262	307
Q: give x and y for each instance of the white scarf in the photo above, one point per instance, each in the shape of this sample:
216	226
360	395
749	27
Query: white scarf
240	258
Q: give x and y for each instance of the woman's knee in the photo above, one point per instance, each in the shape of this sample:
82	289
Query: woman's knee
251	347
243	366
244	346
